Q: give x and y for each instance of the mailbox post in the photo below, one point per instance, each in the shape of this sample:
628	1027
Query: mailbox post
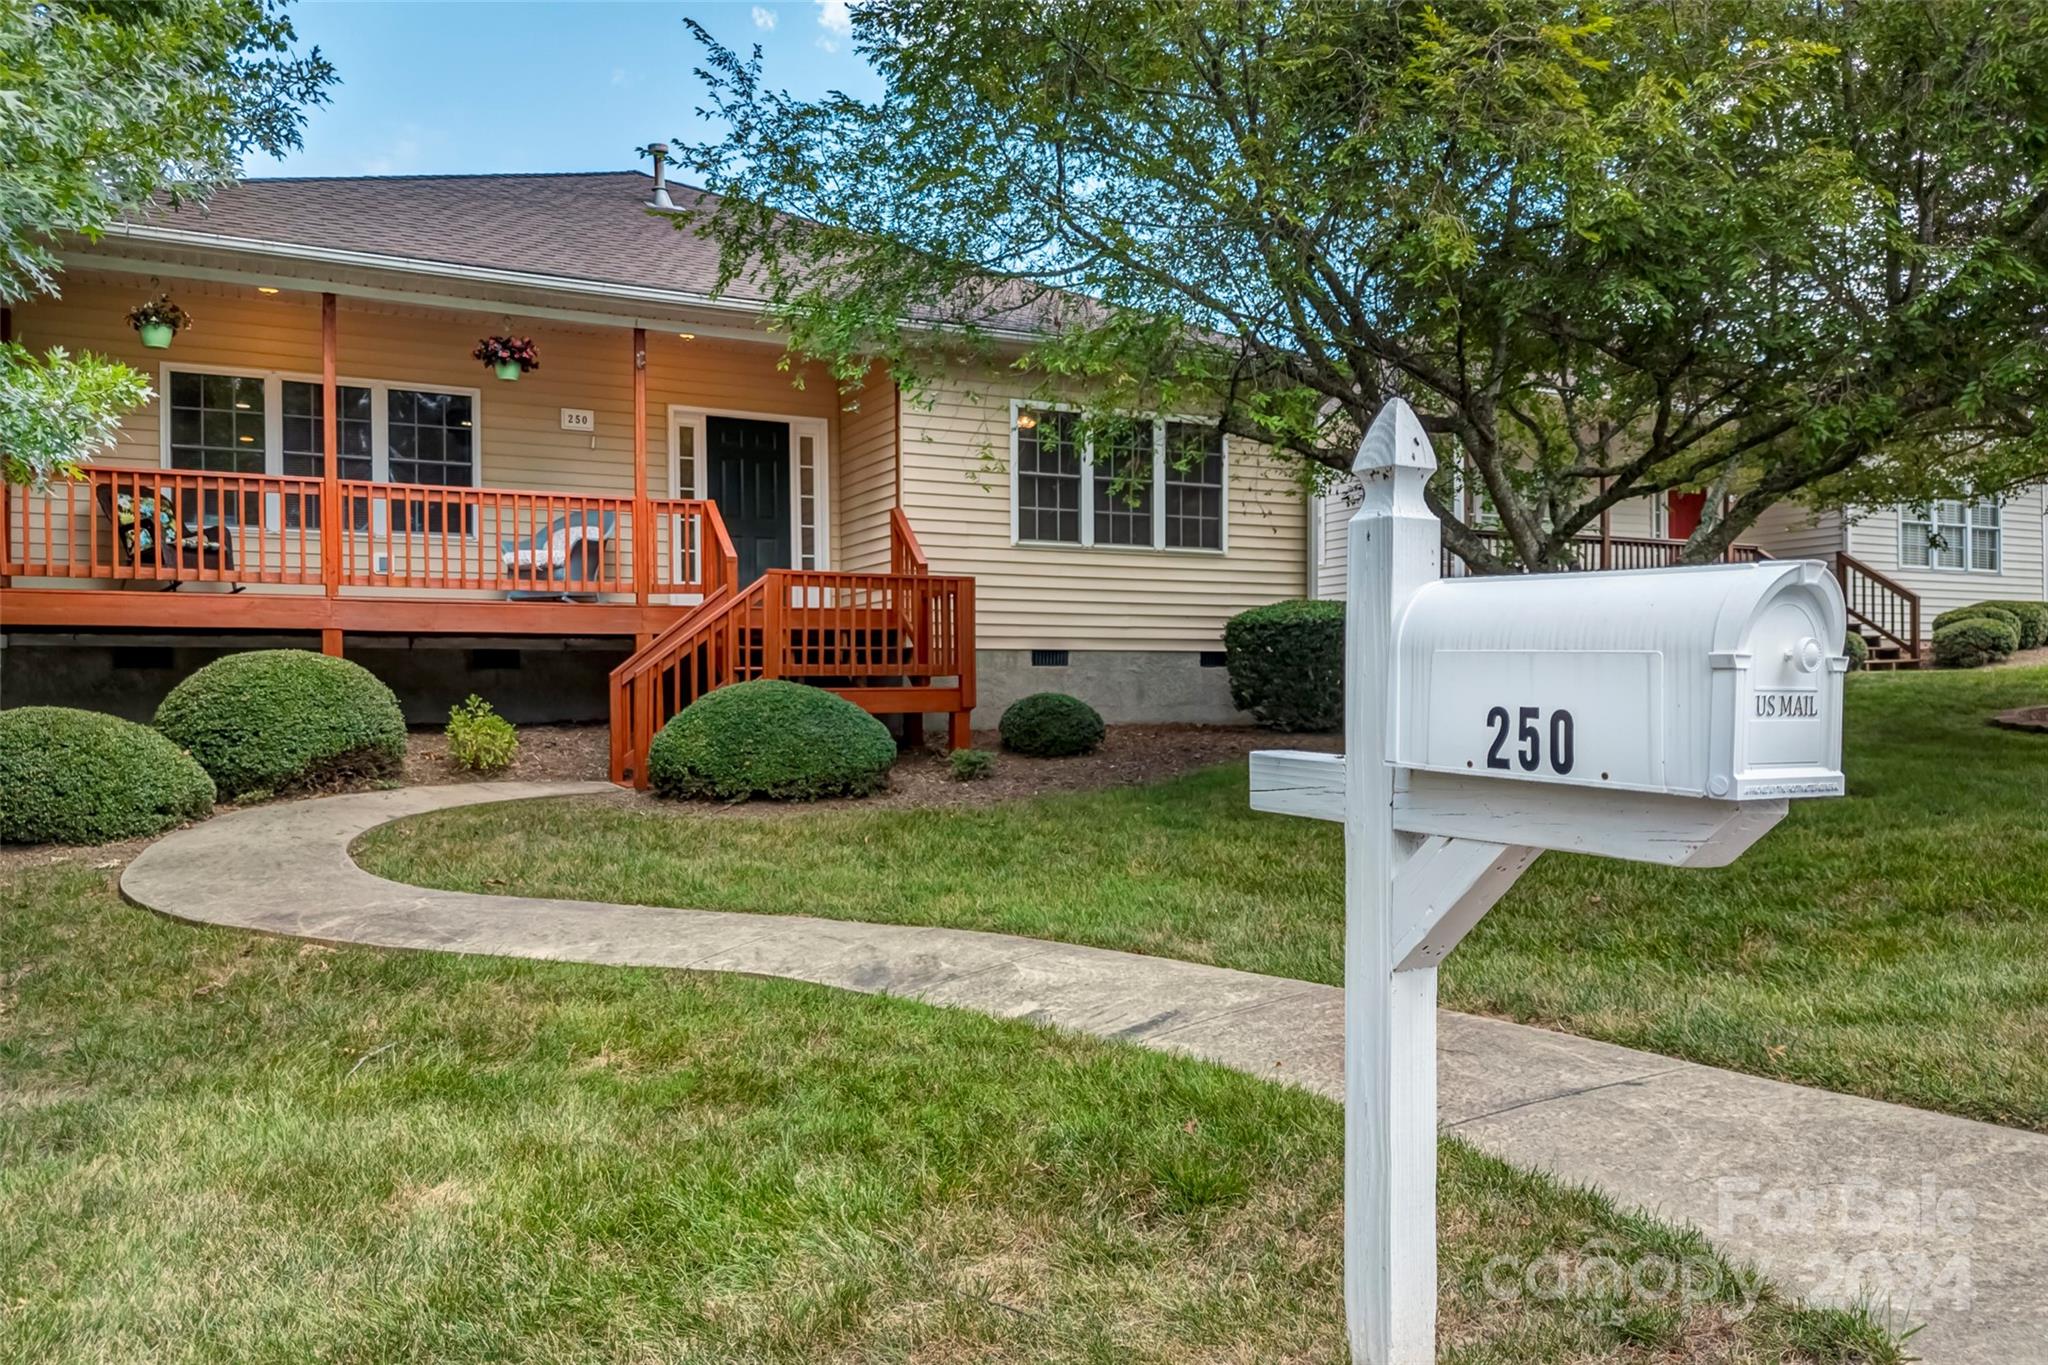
1662	716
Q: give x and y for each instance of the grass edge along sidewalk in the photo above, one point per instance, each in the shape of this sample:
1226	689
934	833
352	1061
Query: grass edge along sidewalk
1890	944
219	1146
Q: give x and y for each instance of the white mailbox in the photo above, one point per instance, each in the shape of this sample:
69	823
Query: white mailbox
1662	716
1720	681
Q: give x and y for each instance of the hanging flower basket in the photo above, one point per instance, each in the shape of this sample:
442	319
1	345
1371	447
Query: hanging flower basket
158	321
509	356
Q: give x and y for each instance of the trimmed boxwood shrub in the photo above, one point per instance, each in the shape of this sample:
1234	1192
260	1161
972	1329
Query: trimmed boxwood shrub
1974	642
1286	664
276	720
770	738
1977	611
1051	725
2033	619
1858	650
78	777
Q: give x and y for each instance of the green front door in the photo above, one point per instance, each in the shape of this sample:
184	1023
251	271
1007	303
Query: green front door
749	480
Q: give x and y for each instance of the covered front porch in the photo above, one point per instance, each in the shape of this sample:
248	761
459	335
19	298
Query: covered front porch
316	460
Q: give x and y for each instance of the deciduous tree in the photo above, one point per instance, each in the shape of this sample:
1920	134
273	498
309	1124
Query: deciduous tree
1766	248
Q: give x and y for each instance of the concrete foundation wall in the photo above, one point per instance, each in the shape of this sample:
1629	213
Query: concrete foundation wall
129	676
1126	686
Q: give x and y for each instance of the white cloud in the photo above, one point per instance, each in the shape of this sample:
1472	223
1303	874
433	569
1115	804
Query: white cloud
764	18
619	76
835	17
401	156
826	44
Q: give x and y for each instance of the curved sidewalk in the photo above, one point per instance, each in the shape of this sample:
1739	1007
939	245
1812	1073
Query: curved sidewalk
1815	1188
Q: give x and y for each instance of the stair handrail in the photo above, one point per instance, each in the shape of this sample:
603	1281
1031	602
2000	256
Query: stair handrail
633	691
1846	566
728	575
906	554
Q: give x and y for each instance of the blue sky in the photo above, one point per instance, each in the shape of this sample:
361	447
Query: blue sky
434	87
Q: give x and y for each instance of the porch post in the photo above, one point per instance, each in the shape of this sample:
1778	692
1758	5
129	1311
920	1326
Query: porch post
1606	532
643	537
330	464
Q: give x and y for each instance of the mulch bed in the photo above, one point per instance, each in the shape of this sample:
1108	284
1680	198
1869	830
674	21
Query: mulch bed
1130	754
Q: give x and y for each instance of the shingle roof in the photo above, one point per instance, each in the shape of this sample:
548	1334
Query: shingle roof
589	227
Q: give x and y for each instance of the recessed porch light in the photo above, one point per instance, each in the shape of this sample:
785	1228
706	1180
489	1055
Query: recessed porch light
266	289
687	336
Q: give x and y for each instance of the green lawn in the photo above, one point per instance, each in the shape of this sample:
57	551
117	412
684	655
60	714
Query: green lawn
220	1147
1893	943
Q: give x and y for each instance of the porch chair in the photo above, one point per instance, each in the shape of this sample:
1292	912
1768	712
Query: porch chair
578	538
147	531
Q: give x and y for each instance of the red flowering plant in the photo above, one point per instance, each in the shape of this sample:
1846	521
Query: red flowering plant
520	351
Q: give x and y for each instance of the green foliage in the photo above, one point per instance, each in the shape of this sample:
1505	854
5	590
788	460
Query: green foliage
1612	249
971	765
2030	617
1980	611
57	412
480	739
1051	725
280	720
774	739
1858	650
79	777
1974	641
107	105
1286	663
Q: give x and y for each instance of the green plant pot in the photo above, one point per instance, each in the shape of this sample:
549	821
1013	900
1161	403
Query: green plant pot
157	335
508	369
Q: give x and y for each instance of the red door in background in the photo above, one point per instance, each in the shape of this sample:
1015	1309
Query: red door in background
1682	513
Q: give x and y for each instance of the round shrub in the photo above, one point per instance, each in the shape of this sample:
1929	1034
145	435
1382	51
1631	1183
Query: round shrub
1051	725
1286	663
1974	642
1858	650
277	720
1978	611
2033	618
770	738
78	777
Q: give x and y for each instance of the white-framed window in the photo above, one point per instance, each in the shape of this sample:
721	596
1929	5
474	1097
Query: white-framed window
1952	535
268	422
1145	483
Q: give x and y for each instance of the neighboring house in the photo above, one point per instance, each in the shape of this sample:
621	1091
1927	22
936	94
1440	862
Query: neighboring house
618	506
1899	567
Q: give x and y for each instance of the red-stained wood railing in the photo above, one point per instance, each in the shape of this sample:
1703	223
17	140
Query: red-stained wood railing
172	526
1888	608
166	526
906	555
877	639
1618	552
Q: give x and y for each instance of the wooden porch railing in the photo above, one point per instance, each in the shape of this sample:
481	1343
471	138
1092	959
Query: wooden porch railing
906	555
877	639
1886	607
172	526
1619	552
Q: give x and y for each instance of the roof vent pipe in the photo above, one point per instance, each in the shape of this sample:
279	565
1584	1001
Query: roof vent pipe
659	151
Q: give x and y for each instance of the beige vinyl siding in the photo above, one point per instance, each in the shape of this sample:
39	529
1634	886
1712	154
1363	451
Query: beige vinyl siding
956	492
1788	530
522	446
1331	545
864	488
1874	539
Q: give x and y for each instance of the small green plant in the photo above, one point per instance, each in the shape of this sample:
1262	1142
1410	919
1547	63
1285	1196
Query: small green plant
79	777
1981	611
1286	662
1974	641
971	765
774	739
1051	725
1858	650
480	739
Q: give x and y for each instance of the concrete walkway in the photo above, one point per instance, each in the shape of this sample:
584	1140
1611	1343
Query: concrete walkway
1836	1198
